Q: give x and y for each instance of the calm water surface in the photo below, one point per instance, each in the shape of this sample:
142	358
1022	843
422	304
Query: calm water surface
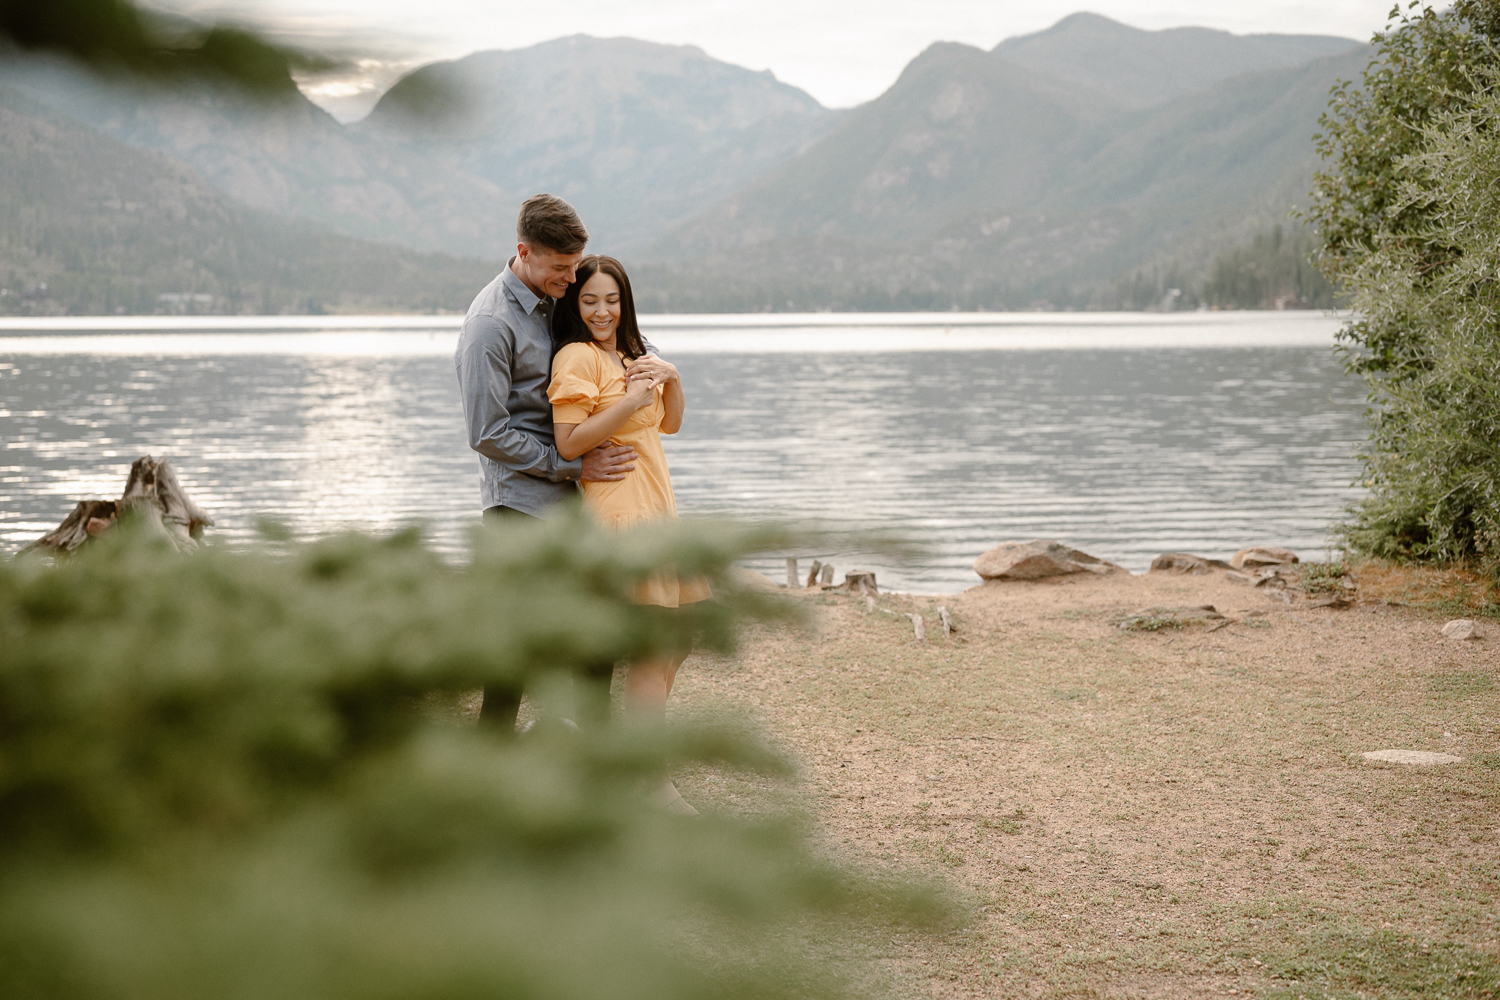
1124	435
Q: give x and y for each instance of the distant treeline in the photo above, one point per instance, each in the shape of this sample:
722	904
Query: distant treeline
269	267
1274	271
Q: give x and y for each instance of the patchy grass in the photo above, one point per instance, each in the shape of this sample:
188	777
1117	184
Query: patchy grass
1179	816
1454	591
1340	965
1150	621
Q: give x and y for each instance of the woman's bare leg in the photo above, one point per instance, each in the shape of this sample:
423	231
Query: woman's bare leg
647	687
648	684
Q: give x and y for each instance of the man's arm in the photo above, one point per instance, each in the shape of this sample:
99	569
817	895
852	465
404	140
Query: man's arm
484	381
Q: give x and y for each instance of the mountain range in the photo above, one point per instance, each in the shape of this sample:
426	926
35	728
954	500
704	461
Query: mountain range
94	226
1089	165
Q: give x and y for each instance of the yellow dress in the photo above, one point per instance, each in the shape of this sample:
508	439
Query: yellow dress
585	381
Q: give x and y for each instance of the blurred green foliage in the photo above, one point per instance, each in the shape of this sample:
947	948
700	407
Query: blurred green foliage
218	779
118	36
1407	216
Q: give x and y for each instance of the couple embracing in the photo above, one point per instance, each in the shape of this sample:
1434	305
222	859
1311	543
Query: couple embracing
561	390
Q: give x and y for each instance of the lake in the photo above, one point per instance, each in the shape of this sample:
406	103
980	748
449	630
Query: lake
1125	435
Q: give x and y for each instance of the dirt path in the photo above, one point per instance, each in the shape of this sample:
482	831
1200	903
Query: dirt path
1179	813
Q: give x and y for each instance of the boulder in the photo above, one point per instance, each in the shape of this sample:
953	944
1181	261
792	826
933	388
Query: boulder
1461	628
1258	556
1036	560
1185	562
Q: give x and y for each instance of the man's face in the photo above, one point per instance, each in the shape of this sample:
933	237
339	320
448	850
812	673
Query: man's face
546	272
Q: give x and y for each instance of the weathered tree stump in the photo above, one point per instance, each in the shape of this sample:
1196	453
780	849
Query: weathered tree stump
812	575
947	622
861	581
791	574
152	492
827	578
917	627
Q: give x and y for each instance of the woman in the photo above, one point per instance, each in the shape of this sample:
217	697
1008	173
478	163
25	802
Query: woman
595	399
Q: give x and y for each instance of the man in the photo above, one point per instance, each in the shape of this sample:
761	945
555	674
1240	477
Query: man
504	362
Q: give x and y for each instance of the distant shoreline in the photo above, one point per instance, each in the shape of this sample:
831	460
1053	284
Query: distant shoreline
680	333
425	321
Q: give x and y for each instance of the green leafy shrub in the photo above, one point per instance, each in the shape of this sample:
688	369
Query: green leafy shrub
1407	214
216	780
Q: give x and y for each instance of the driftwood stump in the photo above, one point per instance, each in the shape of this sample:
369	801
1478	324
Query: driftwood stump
861	581
152	492
791	574
812	576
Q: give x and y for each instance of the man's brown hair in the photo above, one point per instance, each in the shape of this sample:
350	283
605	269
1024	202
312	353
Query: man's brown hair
550	224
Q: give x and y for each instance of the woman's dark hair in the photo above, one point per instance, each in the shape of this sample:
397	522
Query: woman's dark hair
568	326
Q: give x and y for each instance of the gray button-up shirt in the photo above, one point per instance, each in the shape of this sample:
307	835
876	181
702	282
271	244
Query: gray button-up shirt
504	362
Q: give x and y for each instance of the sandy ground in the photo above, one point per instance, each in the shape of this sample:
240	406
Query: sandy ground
1177	813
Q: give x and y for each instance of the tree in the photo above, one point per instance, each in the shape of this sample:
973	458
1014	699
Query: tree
117	36
1397	209
229	774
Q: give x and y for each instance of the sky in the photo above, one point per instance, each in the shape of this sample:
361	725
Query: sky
843	52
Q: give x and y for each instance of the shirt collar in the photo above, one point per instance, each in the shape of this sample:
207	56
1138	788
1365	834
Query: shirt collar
525	297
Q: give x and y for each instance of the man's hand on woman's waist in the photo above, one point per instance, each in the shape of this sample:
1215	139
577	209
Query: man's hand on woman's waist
608	463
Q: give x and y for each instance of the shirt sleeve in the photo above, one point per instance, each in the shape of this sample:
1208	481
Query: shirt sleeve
484	380
574	391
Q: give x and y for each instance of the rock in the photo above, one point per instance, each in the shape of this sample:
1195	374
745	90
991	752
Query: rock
1265	577
1461	628
1337	602
1185	562
1412	757
1036	560
1258	556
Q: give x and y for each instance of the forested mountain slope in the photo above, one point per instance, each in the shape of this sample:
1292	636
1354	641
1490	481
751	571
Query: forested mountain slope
637	135
108	228
284	156
976	184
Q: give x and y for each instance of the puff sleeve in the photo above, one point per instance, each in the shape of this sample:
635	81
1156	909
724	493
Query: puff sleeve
575	390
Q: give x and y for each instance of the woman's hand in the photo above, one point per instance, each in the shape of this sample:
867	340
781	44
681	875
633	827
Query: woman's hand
663	372
640	390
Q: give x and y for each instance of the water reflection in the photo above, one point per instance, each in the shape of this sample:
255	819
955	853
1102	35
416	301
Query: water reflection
1122	452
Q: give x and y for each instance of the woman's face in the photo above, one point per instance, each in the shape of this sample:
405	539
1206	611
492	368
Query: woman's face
599	305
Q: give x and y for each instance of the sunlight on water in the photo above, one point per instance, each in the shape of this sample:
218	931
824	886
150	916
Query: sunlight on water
751	333
1125	435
